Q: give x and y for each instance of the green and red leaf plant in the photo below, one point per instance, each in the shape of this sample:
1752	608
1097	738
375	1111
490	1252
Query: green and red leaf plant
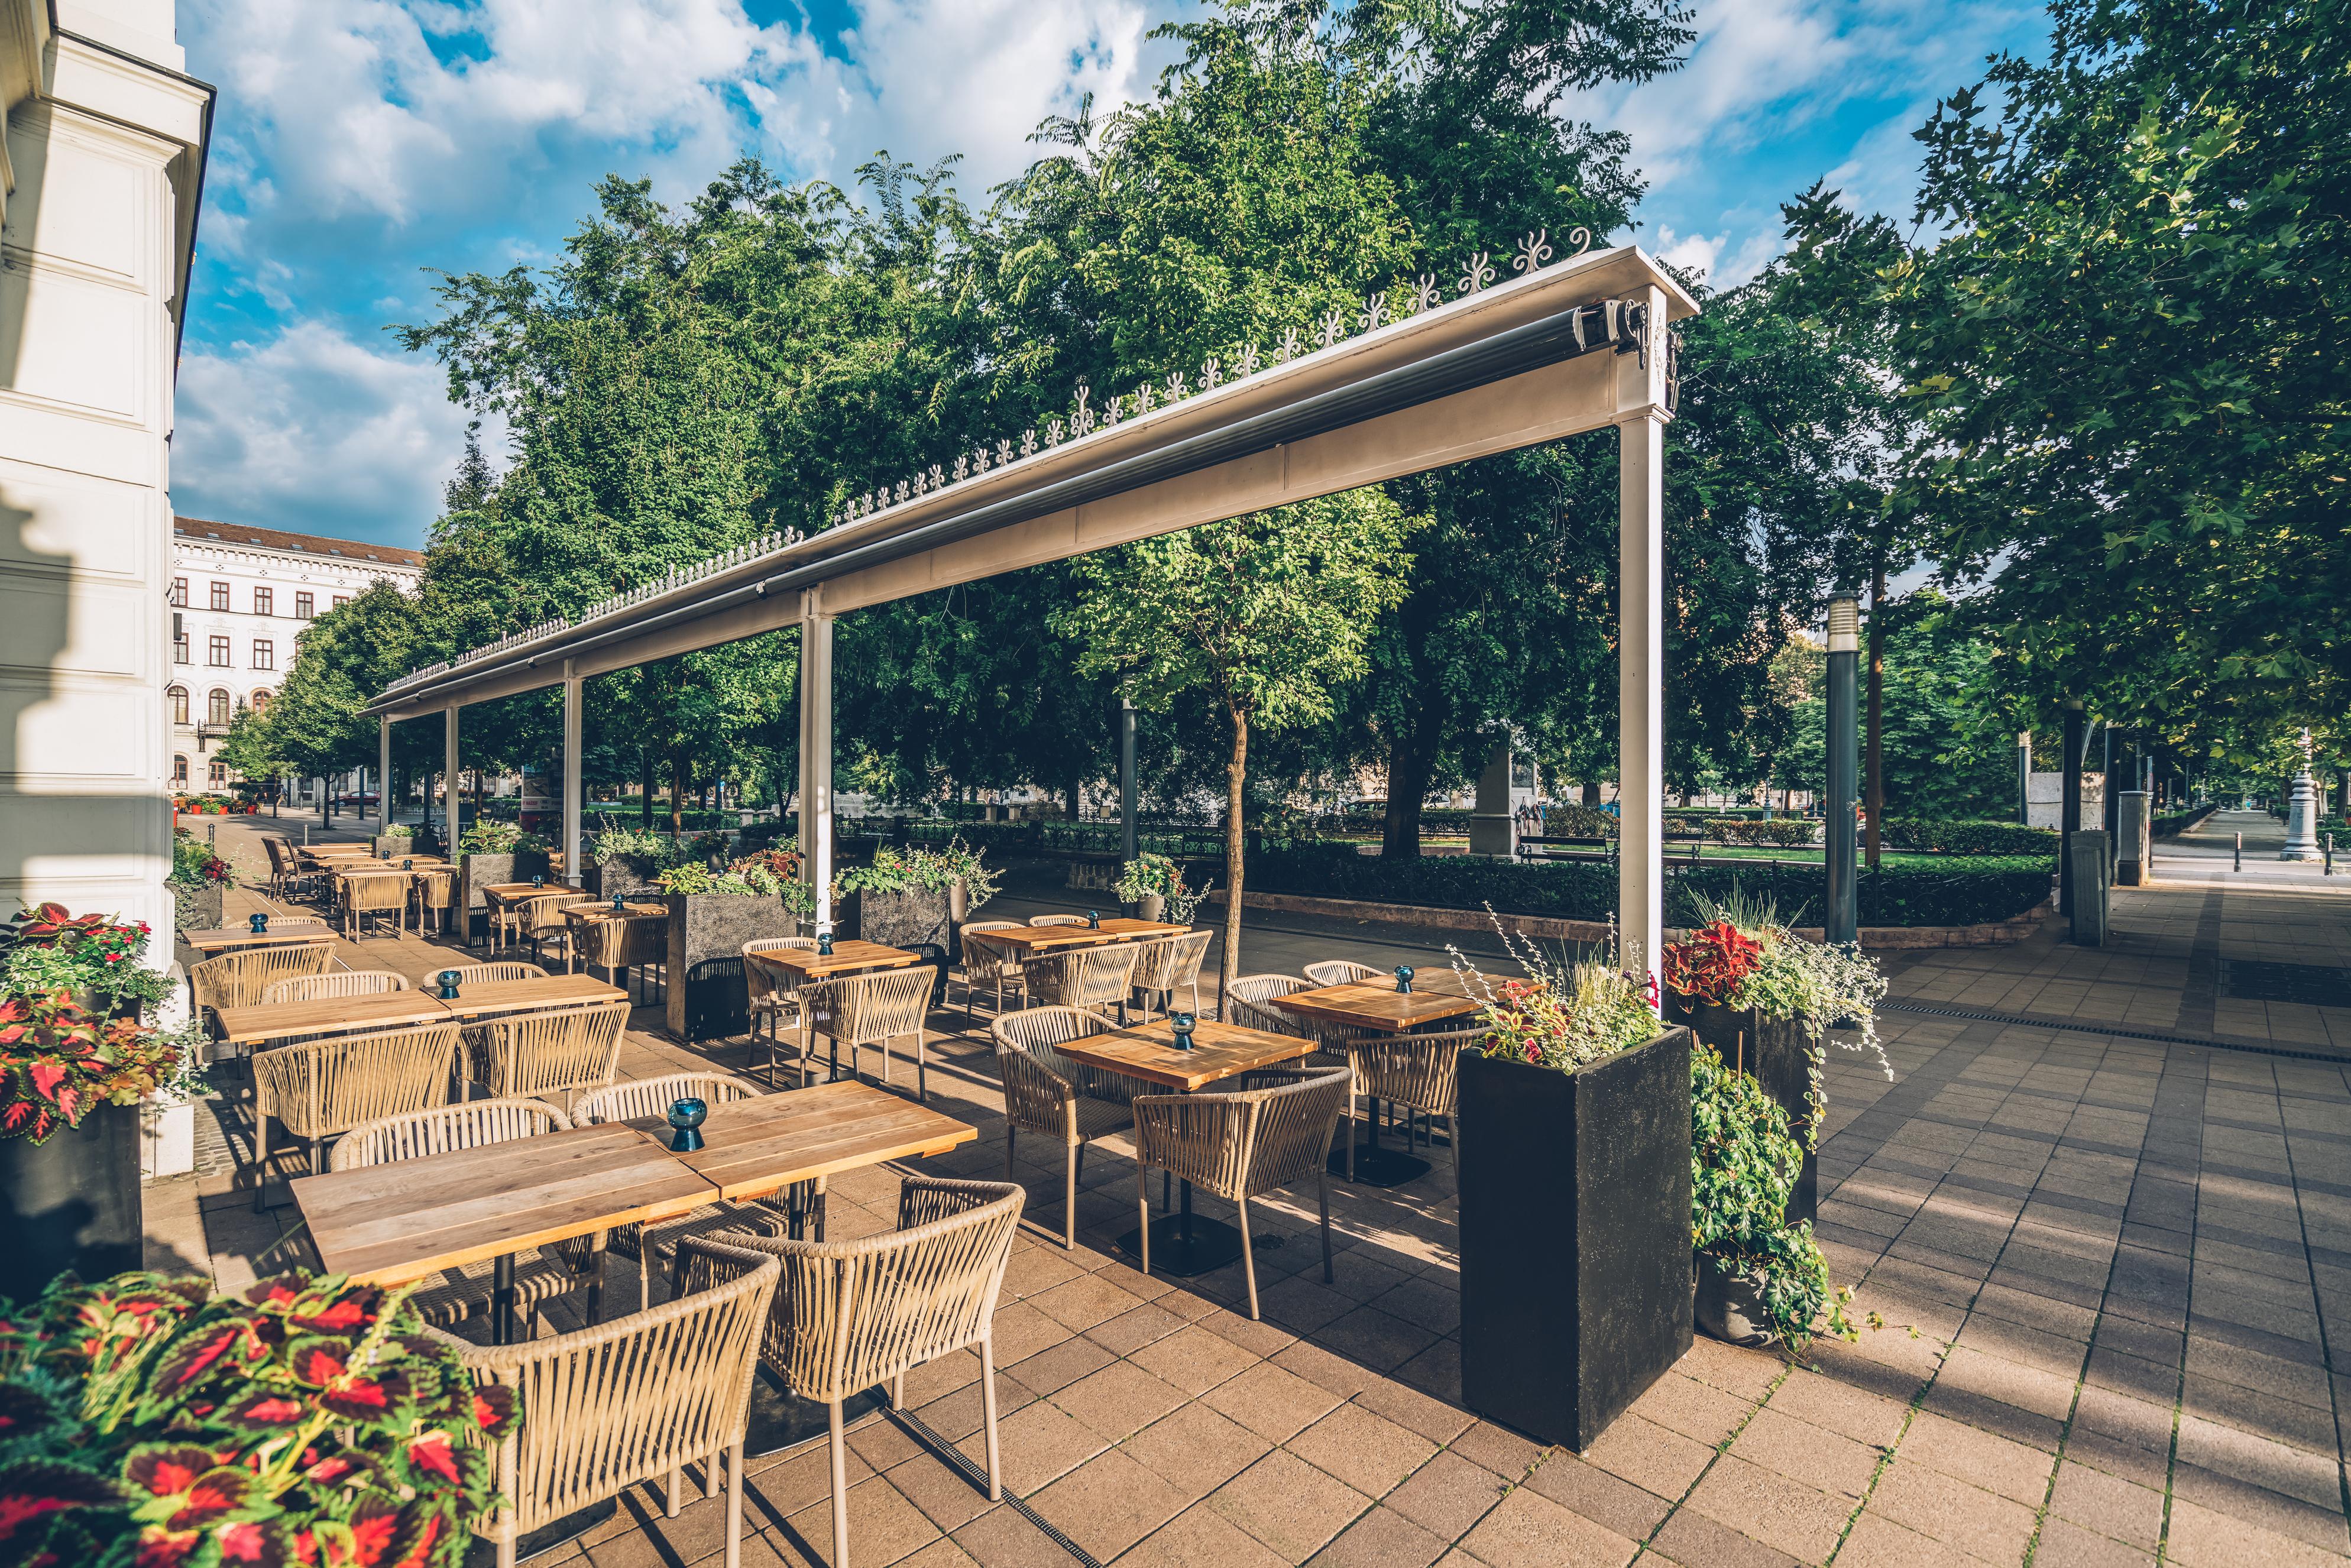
59	1062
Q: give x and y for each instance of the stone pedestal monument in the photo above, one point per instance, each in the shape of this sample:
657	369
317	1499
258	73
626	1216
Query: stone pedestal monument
2302	812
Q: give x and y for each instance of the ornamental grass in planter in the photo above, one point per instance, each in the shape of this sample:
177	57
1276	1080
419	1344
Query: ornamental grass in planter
1574	1126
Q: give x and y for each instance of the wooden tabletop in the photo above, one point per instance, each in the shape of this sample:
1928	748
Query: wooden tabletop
329	1015
582	915
483	998
1139	930
1378	1005
393	1223
518	890
799	964
230	939
1028	941
753	1147
1218	1051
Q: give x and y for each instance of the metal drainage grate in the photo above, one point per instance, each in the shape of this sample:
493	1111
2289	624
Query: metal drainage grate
2024	1021
2318	985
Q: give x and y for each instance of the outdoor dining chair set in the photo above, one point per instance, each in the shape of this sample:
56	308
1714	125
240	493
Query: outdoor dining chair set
1125	974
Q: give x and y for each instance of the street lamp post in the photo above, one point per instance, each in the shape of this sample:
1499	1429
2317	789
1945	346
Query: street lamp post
1843	918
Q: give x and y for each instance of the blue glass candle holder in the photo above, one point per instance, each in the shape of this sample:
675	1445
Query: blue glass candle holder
686	1117
1182	1024
1093	919
407	864
449	978
1404	979
260	923
616	903
537	881
824	943
383	854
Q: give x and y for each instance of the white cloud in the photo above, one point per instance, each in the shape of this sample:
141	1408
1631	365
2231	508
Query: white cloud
316	433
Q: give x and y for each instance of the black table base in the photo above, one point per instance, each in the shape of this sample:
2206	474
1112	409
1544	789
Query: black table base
1184	1245
780	1419
1376	1165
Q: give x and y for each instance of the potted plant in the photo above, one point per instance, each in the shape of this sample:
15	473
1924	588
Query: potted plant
906	897
397	839
489	852
1146	882
625	861
710	915
1761	1277
1574	1121
303	1421
96	962
199	879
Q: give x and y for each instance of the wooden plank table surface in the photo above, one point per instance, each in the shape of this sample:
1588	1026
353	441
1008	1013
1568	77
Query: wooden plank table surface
1219	1050
231	939
763	1144
800	965
329	1015
1378	1005
585	915
1030	941
481	997
393	1223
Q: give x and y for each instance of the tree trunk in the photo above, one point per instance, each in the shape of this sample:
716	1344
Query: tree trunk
676	794
645	788
1235	773
1408	771
1071	795
1874	789
1591	794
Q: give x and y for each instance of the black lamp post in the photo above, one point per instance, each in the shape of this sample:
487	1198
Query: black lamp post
1843	918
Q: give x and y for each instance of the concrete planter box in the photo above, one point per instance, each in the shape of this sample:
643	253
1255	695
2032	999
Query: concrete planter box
1779	1053
479	870
1575	1235
398	844
896	919
707	998
199	910
627	875
167	1139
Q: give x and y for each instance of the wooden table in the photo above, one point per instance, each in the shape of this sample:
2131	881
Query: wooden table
499	896
329	1015
1219	1050
408	1220
1378	1006
232	939
587	915
800	965
752	1148
483	998
1032	941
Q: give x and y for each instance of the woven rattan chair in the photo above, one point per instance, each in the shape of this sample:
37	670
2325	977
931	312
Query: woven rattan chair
436	895
617	947
1047	1094
372	894
548	1053
1339	971
543	923
466	1291
482	973
985	962
1245	1003
299	922
1273	1131
319	1088
285	874
239	979
1089	977
643	1099
1418	1072
772	1003
856	1010
632	1400
334	983
1057	920
1168	963
849	1315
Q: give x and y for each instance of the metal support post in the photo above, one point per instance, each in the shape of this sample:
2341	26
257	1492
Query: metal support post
2069	806
383	771
449	789
572	724
816	759
2025	778
1842	920
1127	789
1640	691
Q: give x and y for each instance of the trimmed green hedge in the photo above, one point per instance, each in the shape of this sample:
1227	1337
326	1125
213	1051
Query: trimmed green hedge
1787	832
2174	823
1965	893
1968	838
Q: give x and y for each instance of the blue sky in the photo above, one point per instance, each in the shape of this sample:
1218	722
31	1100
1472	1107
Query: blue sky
361	142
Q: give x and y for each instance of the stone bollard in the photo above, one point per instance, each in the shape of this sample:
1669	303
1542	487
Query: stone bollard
2134	832
2090	892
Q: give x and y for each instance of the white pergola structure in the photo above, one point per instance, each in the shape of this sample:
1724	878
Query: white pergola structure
1557	351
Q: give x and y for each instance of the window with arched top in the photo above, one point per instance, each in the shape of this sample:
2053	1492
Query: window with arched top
216	707
178	695
260	701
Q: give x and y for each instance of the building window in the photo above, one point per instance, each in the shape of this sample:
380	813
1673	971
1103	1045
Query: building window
179	647
264	655
216	707
259	700
217	653
305	606
217	773
179	770
179	593
178	695
263	601
341	599
220	595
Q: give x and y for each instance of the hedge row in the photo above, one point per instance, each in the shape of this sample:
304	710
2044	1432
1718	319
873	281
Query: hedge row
1788	832
2174	823
1968	838
1974	893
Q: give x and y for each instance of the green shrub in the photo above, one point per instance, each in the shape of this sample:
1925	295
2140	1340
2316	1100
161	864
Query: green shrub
1575	890
1961	893
1787	832
1578	823
1968	838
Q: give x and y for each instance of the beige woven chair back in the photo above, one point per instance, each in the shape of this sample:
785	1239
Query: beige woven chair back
373	893
416	1134
1339	971
321	1087
1171	963
1421	1070
543	917
546	1053
758	981
483	974
1057	920
280	860
867	1009
641	1097
334	983
604	944
849	1315
1240	1143
1037	1033
628	1401
1089	977
437	888
299	923
647	942
239	979
985	960
1245	998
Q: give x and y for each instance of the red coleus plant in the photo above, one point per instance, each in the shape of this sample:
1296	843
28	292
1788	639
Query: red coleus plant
307	1421
58	1062
1709	966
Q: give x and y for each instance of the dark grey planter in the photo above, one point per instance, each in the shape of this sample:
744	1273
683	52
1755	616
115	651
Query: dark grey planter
197	910
72	1203
402	844
1575	1235
1728	1304
896	919
707	998
477	870
627	875
1779	1053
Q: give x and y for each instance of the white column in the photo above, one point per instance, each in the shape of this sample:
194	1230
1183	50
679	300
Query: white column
449	789
384	774
571	727
816	757
1641	652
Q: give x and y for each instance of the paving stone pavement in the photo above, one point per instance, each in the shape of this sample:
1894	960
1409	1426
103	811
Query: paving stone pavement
2126	1263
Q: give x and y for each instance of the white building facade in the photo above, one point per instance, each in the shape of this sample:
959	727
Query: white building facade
103	172
242	595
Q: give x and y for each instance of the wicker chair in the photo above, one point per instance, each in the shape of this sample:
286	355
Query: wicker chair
639	1099
858	1010
616	946
1339	971
466	1290
319	1088
542	921
436	895
1057	920
771	1003
1047	1094
1166	964
545	1053
372	893
239	979
628	1401
286	872
1271	1132
482	973
335	983
318	922
1418	1072
1245	999
854	1313
985	963
1089	977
